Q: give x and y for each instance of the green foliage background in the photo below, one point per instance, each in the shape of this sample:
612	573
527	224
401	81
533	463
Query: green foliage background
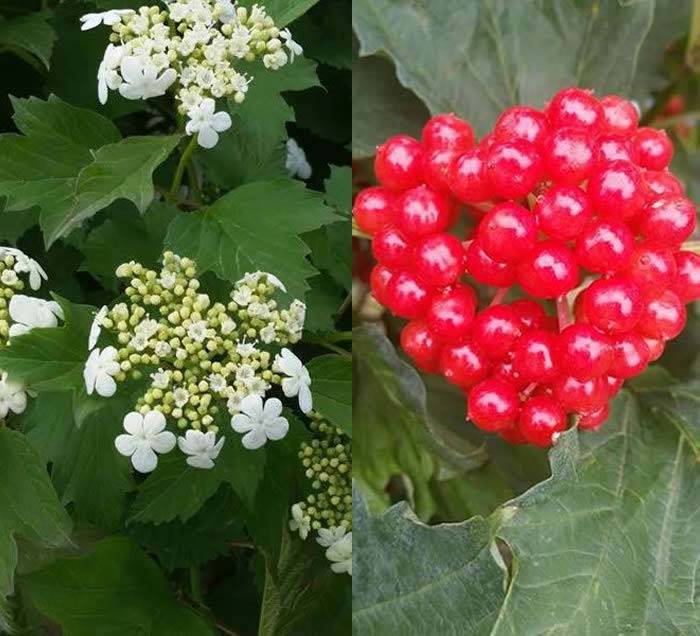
86	546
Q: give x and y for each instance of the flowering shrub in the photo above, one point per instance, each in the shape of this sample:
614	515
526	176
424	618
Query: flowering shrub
174	315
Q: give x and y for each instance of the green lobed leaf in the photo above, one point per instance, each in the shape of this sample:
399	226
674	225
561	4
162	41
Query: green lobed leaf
331	386
31	33
324	34
114	589
284	11
488	49
30	510
323	300
254	227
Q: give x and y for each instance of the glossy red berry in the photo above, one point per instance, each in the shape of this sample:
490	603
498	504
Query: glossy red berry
422	211
656	348
522	122
663	316
508	232
575	107
513	436
530	313
439	259
614	148
593	420
630	356
406	295
447	131
421	346
613	385
496	329
493	405
399	163
661	184
580	396
619	116
378	280
505	372
605	245
391	248
584	352
569	155
616	190
513	168
687	282
563	211
436	168
613	305
668	220
540	418
464	364
549	271
535	356
480	266
651	267
374	209
451	313
654	148
467	176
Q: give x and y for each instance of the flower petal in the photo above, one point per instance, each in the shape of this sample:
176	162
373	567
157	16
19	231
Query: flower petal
133	423
200	461
221	121
207	137
153	423
252	406
242	423
126	445
306	400
105	385
144	459
277	429
163	442
255	439
272	409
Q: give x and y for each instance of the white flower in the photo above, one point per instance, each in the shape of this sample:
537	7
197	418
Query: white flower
139	342
217	382
296	163
246	349
202	448
12	397
327	538
197	331
181	396
253	278
234	402
107	75
300	522
340	555
294	48
108	18
257	386
268	334
162	349
9	277
206	123
25	265
33	313
227	326
96	328
167	279
227	10
147	328
275	61
161	379
242	296
99	370
260	422
298	382
141	80
145	436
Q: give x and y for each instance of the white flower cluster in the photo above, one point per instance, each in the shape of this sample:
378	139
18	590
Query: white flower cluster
195	47
206	361
19	314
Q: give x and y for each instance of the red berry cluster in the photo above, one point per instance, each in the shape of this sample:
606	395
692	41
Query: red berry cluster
578	186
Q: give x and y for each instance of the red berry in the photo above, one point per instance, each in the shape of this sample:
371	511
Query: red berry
508	232
512	435
421	211
483	268
616	189
530	313
687	282
614	148
467	176
464	364
668	220
451	313
436	168
605	245
513	168
439	259
540	418
654	148
496	330
522	122
663	316
569	155
619	115
378	280
534	356
421	346
563	211
493	405
391	248
447	131
661	184
612	385
581	395
613	305
549	271
593	420
651	267
584	352
630	356
656	348
406	296
505	372
575	107
399	163
374	209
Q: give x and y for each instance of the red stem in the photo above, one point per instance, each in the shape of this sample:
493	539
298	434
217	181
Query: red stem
500	295
563	315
